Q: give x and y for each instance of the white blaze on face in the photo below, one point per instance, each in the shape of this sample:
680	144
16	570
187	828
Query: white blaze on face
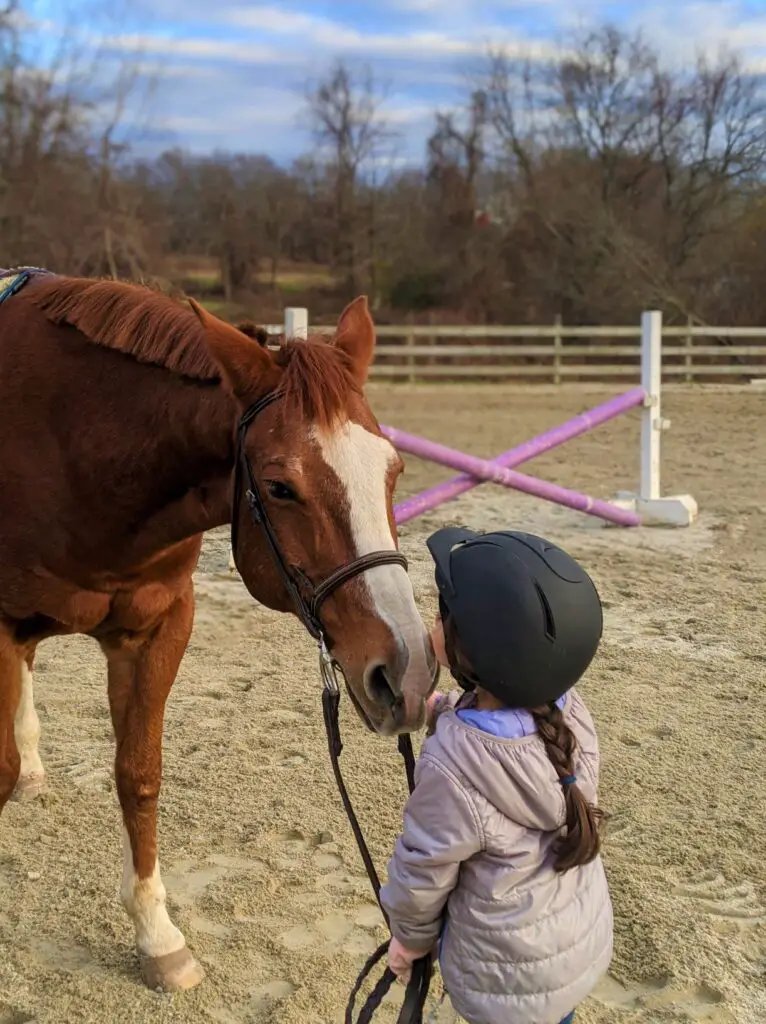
361	461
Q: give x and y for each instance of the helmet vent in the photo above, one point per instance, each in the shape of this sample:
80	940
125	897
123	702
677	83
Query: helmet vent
550	626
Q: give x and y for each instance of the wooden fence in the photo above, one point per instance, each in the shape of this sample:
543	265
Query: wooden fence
559	353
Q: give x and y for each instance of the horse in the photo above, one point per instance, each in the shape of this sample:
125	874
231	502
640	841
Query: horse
121	427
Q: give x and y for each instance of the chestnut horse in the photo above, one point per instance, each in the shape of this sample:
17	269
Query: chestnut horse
119	410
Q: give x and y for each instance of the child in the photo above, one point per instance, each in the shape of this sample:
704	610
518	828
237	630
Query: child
499	858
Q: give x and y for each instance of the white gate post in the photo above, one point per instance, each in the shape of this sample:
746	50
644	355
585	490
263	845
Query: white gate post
678	509
651	417
296	324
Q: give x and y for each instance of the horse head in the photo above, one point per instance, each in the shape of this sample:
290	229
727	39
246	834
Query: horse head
325	477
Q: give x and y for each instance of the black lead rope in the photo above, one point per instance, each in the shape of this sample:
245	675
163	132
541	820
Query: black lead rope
422	970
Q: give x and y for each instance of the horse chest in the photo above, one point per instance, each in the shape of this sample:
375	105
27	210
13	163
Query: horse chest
140	609
136	610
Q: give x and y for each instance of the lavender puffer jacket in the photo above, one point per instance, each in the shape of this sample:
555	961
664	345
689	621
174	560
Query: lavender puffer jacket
520	942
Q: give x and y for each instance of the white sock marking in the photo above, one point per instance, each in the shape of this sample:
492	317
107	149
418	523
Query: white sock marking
26	728
144	900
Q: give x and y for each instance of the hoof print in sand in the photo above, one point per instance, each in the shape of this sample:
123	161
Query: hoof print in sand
68	958
338	932
84	775
265	996
187	884
9	1015
699	1003
321	850
294	759
650	737
732	907
618	827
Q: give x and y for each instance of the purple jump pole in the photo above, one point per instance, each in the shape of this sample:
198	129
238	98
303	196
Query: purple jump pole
426	500
481	469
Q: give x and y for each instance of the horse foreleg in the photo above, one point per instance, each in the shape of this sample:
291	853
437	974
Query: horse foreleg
10	692
31	781
142	668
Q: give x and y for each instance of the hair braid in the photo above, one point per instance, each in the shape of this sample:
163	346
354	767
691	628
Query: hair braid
582	842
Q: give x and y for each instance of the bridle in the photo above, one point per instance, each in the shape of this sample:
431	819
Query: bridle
308	598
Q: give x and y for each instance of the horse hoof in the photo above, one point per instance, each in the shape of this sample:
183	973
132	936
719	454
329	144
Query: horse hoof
29	787
173	972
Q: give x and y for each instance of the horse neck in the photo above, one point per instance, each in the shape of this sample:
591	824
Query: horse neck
169	452
194	456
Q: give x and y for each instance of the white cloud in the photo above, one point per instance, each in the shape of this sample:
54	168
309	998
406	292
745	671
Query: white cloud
476	9
331	35
230	73
407	113
683	31
246	53
264	107
273	19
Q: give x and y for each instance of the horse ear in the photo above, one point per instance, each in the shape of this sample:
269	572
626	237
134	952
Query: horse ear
251	330
356	337
247	367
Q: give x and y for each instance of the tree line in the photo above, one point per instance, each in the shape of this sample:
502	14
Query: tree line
590	185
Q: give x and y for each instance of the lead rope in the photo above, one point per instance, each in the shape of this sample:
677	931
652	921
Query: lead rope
422	970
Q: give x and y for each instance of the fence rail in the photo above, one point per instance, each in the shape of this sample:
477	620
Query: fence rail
556	352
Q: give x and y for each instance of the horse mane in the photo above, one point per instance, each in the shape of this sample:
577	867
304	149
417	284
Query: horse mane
155	328
130	318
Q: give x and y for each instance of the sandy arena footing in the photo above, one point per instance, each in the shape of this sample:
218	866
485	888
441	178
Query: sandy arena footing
261	869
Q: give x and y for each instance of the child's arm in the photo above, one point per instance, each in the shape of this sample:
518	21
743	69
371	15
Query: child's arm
441	829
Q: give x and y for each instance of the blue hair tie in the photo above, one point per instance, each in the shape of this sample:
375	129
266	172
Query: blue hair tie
568	780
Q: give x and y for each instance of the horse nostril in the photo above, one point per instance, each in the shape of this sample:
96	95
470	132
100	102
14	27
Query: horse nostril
380	689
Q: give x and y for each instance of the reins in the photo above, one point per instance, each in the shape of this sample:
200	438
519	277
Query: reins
307	598
420	978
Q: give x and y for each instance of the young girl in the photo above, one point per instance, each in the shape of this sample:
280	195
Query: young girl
499	858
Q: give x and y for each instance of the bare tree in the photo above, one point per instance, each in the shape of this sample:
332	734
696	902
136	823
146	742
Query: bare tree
59	203
591	184
351	131
620	171
456	161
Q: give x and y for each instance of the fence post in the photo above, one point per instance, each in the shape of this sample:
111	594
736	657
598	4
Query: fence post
557	346
651	417
409	342
296	323
689	343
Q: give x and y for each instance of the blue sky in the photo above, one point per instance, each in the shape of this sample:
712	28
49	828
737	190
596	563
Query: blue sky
231	72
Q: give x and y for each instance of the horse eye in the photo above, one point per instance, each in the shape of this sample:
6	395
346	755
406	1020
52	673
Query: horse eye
281	491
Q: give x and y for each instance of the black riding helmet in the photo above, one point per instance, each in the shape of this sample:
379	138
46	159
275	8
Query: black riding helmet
527	615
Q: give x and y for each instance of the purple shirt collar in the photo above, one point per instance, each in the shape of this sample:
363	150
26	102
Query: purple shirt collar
506	724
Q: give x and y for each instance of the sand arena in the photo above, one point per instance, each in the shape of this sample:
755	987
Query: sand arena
260	866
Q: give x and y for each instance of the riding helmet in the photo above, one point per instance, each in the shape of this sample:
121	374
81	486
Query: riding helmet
528	617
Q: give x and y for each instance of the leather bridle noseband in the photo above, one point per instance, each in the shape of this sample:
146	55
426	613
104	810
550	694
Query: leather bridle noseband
308	598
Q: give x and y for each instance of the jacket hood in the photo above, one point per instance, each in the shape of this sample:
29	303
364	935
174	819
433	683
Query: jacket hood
515	775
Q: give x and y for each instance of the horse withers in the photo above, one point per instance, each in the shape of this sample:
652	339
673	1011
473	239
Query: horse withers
119	414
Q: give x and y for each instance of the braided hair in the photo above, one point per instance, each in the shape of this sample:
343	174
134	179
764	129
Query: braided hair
582	842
